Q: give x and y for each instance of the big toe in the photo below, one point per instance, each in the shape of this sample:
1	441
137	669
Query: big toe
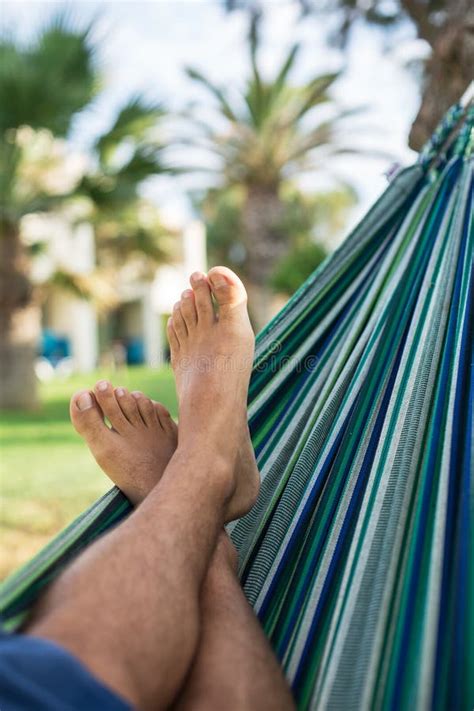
87	417
227	288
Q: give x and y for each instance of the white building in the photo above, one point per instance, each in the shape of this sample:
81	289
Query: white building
135	327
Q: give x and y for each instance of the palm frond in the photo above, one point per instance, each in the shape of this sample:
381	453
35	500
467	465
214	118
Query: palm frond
255	96
260	144
97	286
133	121
315	92
138	242
145	161
287	66
367	152
254	38
322	135
135	233
46	83
115	188
326	134
218	93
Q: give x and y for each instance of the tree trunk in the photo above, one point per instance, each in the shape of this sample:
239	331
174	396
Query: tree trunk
265	245
450	68
19	324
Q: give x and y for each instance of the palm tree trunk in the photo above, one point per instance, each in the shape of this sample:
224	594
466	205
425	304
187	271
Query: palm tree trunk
19	324
265	245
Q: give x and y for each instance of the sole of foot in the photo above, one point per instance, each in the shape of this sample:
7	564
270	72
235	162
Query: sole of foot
135	450
212	346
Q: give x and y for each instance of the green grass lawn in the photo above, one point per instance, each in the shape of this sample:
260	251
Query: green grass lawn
47	474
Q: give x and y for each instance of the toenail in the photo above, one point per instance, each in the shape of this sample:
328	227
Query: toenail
186	293
136	394
84	401
198	276
120	392
217	280
176	306
102	385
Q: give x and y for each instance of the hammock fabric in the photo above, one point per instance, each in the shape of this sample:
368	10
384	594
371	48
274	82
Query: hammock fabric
359	555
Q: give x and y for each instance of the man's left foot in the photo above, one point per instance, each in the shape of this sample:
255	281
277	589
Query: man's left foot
212	355
135	451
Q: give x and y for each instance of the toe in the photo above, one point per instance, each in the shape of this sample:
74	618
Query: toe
161	412
202	298
179	323
146	408
188	309
86	416
164	417
227	288
129	406
172	337
105	395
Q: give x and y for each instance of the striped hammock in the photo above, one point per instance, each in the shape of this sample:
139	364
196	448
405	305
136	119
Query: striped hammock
359	555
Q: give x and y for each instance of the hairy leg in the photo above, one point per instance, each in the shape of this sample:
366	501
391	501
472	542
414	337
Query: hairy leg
233	660
129	606
235	668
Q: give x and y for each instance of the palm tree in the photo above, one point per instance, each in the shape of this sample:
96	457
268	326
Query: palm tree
308	222
262	140
44	86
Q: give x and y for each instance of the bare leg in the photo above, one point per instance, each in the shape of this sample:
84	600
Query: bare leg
233	661
129	606
235	668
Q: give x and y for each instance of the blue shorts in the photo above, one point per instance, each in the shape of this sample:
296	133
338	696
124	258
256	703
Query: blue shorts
38	675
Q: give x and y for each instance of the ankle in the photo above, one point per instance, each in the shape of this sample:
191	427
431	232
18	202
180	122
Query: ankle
210	438
209	465
213	418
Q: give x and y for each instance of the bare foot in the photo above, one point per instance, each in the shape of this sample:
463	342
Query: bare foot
212	355
135	451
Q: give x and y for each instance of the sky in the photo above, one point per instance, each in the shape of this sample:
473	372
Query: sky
144	46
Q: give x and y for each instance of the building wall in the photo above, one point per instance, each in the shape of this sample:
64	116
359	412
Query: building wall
77	320
145	304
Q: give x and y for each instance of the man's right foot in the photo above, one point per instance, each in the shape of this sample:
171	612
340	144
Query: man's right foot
135	450
212	355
